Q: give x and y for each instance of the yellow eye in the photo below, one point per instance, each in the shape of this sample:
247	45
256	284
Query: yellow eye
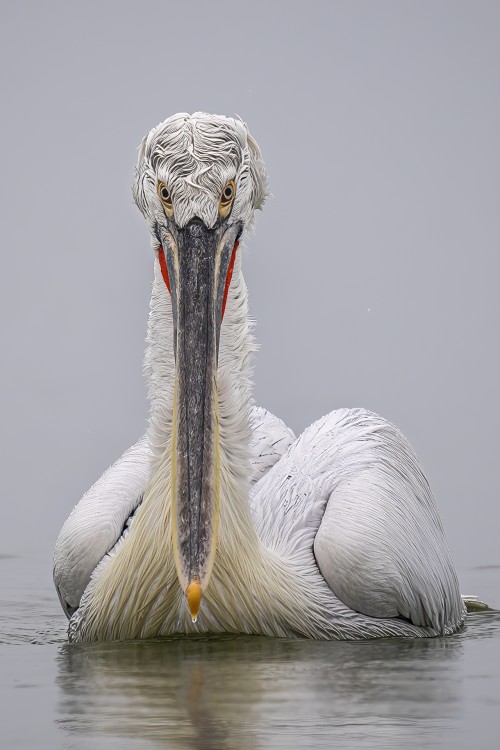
227	199
166	198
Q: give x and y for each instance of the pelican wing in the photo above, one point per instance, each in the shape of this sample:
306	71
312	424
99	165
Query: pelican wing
97	522
351	490
380	545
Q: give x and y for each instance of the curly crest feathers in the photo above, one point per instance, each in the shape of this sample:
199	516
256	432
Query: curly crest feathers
196	156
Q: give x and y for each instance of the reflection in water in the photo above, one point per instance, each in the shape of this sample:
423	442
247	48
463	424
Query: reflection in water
244	693
249	692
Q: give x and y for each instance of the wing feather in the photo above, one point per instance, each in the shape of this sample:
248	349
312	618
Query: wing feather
380	545
97	522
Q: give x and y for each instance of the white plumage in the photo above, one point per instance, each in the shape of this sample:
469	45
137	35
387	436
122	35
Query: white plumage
333	535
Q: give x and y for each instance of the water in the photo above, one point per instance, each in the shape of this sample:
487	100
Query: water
240	692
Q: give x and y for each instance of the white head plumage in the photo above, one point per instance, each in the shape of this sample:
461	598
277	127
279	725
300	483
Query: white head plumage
196	156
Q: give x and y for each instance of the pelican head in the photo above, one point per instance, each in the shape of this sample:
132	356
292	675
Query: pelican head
199	179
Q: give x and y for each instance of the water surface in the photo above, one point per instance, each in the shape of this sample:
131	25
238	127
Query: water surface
240	692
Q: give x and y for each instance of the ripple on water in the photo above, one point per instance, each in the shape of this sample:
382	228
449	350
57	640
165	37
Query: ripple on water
29	609
251	692
240	691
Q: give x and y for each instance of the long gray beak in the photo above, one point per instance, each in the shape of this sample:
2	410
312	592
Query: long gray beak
199	262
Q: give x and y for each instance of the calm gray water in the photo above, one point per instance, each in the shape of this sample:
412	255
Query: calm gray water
240	692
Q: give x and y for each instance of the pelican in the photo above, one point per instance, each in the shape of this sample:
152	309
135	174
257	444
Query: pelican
219	520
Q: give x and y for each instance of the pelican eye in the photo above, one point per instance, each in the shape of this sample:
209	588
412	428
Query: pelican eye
227	199
166	198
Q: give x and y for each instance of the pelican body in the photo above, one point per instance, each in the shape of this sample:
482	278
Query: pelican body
219	520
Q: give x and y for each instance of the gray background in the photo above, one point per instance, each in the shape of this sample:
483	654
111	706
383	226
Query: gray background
374	271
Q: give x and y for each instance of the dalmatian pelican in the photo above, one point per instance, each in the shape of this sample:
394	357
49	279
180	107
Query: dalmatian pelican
219	520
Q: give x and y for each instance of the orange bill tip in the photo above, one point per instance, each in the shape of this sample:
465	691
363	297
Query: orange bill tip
193	596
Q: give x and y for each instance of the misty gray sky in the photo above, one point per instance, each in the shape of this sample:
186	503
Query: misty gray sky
374	270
